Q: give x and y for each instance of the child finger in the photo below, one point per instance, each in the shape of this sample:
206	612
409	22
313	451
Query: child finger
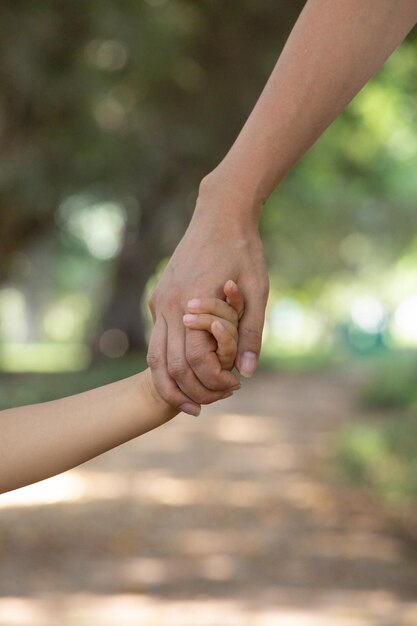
226	345
213	306
234	297
204	321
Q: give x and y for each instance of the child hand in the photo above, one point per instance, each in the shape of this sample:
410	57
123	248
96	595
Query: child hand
219	318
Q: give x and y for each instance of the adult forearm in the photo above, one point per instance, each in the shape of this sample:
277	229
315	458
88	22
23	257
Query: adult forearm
333	50
39	441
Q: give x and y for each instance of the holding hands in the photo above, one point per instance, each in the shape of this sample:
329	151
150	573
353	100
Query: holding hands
221	319
44	439
218	246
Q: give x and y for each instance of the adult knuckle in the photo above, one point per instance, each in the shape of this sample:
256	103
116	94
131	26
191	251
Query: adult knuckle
174	298
171	398
154	359
195	355
151	302
152	297
206	396
177	367
215	383
201	398
214	397
250	333
169	395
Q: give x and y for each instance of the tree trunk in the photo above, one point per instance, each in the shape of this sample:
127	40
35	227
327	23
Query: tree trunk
141	252
16	231
124	310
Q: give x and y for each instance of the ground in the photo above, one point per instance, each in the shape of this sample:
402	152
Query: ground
230	519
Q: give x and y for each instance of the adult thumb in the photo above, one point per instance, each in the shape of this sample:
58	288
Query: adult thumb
250	338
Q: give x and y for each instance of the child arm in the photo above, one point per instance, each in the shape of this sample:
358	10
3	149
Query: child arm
42	440
39	441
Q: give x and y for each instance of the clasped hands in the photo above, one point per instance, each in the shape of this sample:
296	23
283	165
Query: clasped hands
214	262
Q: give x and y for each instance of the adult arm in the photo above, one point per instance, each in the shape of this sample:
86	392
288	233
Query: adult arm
333	50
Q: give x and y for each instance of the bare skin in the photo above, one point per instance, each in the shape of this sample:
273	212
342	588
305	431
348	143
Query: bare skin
45	439
334	49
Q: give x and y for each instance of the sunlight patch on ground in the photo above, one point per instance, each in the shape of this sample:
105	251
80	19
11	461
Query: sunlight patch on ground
131	610
138	572
155	487
159	487
203	541
22	612
244	429
168	490
72	486
67	487
218	567
145	571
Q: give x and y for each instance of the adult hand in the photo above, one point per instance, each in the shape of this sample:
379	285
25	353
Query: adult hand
219	244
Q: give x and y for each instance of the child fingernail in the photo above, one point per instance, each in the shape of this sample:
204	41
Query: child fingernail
194	304
188	317
191	409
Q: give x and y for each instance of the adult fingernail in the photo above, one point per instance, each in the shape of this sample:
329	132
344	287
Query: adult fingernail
191	409
188	317
229	394
194	304
235	388
247	364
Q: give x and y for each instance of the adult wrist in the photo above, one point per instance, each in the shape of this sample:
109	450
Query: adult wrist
230	197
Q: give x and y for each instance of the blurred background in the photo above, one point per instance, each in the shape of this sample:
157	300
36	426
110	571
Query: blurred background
295	502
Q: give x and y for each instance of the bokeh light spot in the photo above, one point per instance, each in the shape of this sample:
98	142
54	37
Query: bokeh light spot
113	343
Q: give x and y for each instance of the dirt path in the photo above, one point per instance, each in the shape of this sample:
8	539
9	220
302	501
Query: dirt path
225	520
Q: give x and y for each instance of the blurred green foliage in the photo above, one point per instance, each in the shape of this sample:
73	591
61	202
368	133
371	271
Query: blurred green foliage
24	389
382	457
129	103
272	360
359	179
393	384
381	453
110	115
